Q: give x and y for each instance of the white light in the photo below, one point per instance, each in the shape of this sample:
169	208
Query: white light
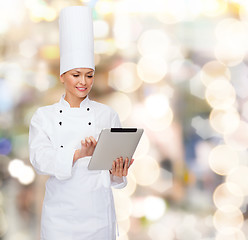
158	231
28	48
223	159
143	147
223	195
26	176
123	205
153	42
231	234
157	105
220	94
124	77
228	218
225	121
118	99
239	176
154	208
103	47
214	70
238	140
145	175
229	54
101	29
152	68
15	167
131	185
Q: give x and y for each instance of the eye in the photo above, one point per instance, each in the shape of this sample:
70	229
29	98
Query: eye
75	75
90	76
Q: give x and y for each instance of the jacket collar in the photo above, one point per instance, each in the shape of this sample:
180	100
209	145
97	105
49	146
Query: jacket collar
64	103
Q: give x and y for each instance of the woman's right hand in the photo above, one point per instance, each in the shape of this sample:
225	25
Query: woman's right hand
87	148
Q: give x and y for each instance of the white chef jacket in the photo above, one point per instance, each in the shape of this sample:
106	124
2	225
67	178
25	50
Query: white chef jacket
78	203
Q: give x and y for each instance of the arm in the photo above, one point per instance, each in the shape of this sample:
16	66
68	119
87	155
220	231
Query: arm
46	158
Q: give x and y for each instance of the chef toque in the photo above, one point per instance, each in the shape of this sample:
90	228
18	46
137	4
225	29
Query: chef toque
76	38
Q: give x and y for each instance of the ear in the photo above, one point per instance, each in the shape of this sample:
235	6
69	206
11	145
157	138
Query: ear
61	78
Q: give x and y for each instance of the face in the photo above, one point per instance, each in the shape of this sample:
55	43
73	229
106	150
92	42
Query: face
77	82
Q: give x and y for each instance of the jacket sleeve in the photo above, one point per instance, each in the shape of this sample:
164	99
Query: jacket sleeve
117	182
46	158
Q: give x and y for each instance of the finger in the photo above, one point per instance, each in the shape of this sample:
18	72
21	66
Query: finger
87	139
93	140
117	166
88	142
113	167
121	165
125	170
131	162
83	143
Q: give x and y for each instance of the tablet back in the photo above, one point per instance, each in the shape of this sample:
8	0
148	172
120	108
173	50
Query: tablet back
114	143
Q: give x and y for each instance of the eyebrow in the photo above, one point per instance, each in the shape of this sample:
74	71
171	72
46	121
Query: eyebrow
92	71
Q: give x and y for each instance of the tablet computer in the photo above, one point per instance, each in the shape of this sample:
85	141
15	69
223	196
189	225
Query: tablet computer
114	143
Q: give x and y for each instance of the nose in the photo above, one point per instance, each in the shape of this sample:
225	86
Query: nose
82	80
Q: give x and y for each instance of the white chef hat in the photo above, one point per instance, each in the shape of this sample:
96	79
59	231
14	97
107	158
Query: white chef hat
76	38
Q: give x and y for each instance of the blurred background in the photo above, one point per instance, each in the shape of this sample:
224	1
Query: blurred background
178	69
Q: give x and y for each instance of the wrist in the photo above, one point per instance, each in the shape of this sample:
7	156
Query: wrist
75	157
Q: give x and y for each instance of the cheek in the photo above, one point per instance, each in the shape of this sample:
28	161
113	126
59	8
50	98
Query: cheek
70	82
90	82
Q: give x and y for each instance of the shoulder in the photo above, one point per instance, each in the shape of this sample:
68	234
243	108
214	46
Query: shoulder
44	111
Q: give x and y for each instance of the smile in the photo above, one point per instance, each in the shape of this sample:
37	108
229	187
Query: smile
81	89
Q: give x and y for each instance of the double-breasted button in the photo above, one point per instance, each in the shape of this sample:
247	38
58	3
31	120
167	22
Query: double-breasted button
60	111
60	123
89	123
88	109
61	146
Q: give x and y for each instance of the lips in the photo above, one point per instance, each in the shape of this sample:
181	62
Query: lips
81	89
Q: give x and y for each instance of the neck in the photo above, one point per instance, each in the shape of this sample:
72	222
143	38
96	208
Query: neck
74	101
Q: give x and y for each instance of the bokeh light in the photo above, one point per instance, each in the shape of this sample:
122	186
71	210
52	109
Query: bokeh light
154	208
239	176
158	115
220	94
152	69
223	196
118	99
223	159
232	32
157	105
124	78
238	139
154	42
176	68
149	174
228	54
101	29
213	7
25	174
227	218
121	199
131	185
213	71
234	234
224	121
143	146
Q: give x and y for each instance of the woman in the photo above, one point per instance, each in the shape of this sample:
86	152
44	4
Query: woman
78	203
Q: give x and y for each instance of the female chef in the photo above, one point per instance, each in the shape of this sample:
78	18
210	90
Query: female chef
78	203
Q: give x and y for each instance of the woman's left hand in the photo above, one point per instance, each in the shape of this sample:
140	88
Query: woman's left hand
119	169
